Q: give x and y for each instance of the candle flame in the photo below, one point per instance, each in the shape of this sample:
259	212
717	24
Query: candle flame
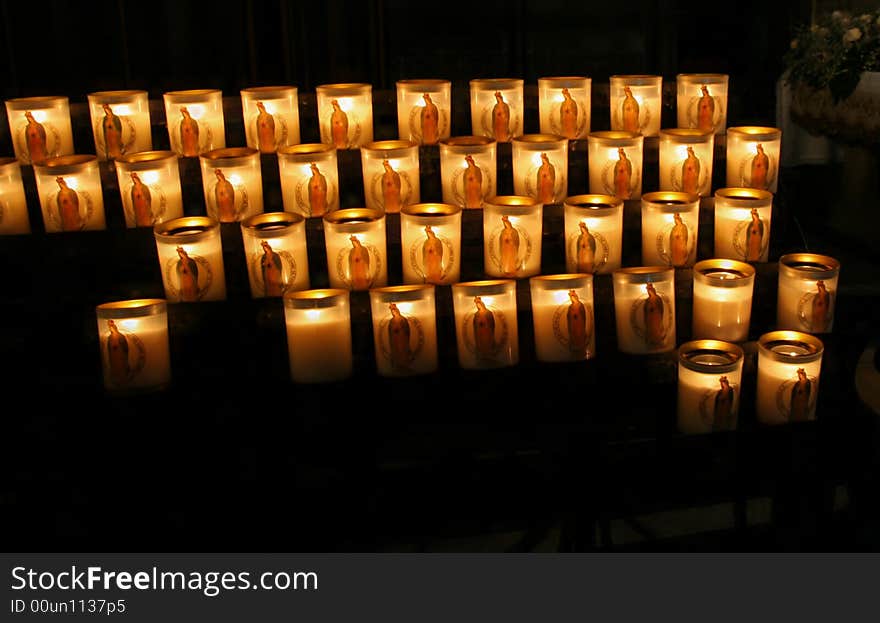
560	297
235	179
40	115
313	314
71	182
149	177
404	308
121	109
345	103
196	111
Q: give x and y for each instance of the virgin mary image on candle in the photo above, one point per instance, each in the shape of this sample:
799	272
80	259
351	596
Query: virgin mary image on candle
401	339
573	325
750	238
116	133
72	209
589	249
816	308
37	139
391	188
485	332
189	276
229	199
796	398
758	169
358	265
273	271
508	247
619	177
718	408
651	318
676	242
124	355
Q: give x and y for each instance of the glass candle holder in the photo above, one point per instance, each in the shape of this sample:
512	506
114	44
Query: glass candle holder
355	240
513	226
424	110
309	175
485	323
40	128
14	217
742	223
345	114
497	108
318	335
636	103
149	185
644	308
271	117
564	105
468	170
430	243
593	233
807	292
686	160
540	166
709	382
562	314
789	364
71	196
722	300
276	253
233	183
191	259
133	338
615	164
701	102
195	121
404	330
120	123
670	223
390	174
753	157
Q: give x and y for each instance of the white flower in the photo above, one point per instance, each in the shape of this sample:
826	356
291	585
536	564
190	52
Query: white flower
853	34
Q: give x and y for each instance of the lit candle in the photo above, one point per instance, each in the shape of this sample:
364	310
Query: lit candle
309	178
271	117
276	253
355	241
615	164
564	106
71	196
670	223
149	185
563	318
709	382
468	170
195	121
390	172
644	308
513	226
318	335
430	242
404	330
742	223
540	167
485	323
233	183
806	299
753	157
424	110
789	363
702	102
686	160
345	114
40	128
497	108
593	233
722	300
133	339
191	259
14	217
635	102
120	123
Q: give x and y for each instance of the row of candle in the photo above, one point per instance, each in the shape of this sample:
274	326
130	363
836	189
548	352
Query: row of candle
135	353
71	197
41	126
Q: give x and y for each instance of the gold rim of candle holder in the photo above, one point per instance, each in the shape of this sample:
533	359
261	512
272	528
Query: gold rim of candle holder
280	90
426	82
120	96
186	229
563	280
792	339
344	89
512	201
315	299
351	216
271	224
187	95
403	293
392	148
687	135
736	194
813	266
143	159
636	80
755	133
7	161
132	308
644	274
306	149
709	78
538	139
743	273
230	155
670	200
467	140
616	138
67	165
563	81
688	351
21	103
487	286
593	202
496	84
430	209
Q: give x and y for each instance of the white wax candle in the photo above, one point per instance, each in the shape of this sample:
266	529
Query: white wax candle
788	377
468	170
355	241
271	117
686	158
232	183
430	236
670	224
14	217
722	300
276	253
345	114
709	383
615	164
540	167
309	178
486	324
742	224
120	123
644	305
319	342
404	330
753	157
593	233
636	103
701	101
191	259
390	171
195	121
564	106
149	186
71	196
807	292
423	110
512	236
497	108
133	340
40	128
562	316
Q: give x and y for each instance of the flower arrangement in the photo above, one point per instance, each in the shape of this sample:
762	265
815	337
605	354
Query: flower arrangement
832	68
